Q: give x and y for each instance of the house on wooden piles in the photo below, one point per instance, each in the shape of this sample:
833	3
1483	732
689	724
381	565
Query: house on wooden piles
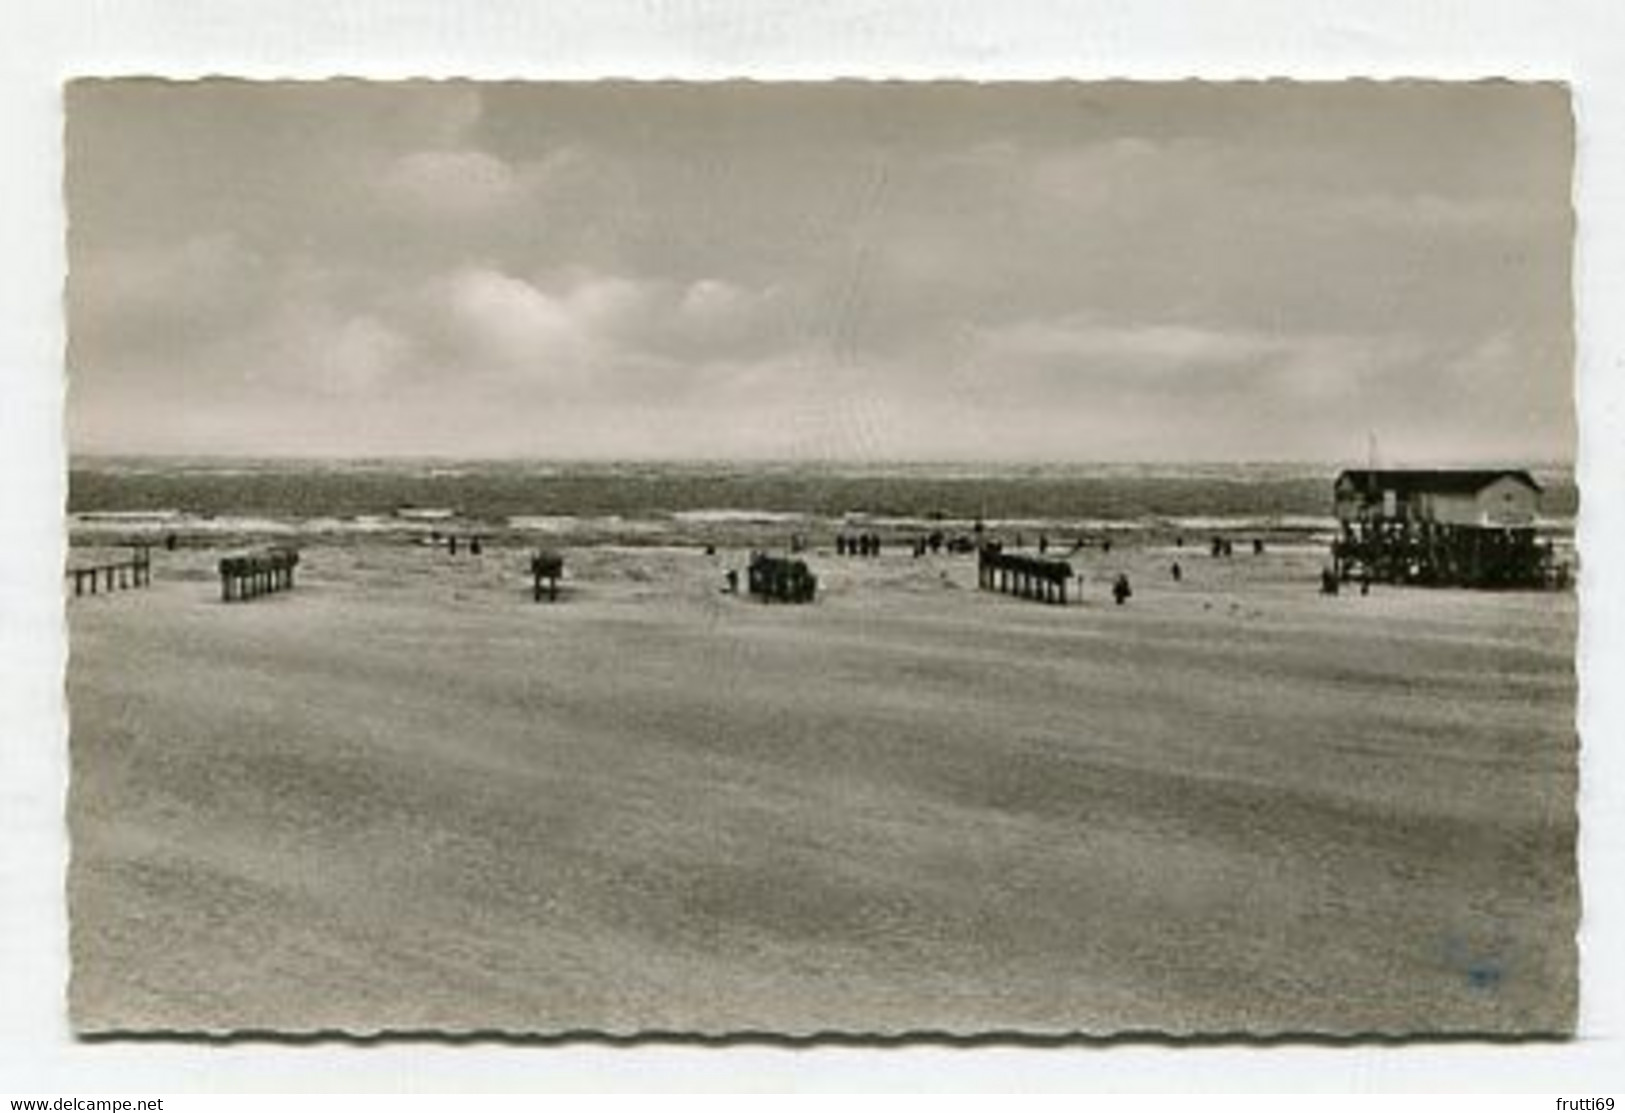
1462	527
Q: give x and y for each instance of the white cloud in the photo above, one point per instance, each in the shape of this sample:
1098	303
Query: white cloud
465	184
1088	270
595	334
709	300
450	183
508	321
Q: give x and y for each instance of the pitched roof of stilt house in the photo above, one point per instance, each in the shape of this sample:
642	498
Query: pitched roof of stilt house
1445	481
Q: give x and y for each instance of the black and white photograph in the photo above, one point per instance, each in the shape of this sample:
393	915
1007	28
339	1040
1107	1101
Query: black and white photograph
821	558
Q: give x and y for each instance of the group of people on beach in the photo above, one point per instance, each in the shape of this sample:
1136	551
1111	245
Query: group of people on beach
937	541
473	543
1224	546
863	545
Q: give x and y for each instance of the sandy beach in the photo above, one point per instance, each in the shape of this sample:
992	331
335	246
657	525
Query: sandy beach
405	797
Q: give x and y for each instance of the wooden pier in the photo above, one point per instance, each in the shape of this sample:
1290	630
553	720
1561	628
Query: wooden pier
781	579
1026	577
548	566
113	575
252	575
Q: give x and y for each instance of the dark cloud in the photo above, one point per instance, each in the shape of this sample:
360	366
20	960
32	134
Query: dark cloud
1047	270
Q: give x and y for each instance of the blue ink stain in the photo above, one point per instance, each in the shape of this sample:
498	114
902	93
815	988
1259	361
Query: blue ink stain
1482	964
1483	975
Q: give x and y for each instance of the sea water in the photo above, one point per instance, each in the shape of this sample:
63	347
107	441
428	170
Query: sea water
704	502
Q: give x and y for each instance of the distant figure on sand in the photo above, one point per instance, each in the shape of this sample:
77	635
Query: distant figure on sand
1120	589
1258	546
1106	545
1178	572
549	566
733	581
474	546
1328	582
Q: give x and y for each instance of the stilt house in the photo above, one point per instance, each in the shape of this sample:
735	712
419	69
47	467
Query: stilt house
1472	528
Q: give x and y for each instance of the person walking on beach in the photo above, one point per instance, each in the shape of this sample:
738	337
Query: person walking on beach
1120	589
1178	572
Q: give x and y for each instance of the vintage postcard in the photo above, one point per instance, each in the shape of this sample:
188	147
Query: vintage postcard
1056	558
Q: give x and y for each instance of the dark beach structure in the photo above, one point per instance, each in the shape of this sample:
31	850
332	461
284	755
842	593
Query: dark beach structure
133	572
781	579
255	574
1460	528
1026	577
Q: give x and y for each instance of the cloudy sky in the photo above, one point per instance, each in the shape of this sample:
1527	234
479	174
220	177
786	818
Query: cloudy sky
826	271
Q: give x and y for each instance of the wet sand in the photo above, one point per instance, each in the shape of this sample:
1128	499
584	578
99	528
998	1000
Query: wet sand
405	797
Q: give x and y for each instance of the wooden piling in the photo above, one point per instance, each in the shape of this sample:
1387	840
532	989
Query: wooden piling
1025	577
118	575
252	575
